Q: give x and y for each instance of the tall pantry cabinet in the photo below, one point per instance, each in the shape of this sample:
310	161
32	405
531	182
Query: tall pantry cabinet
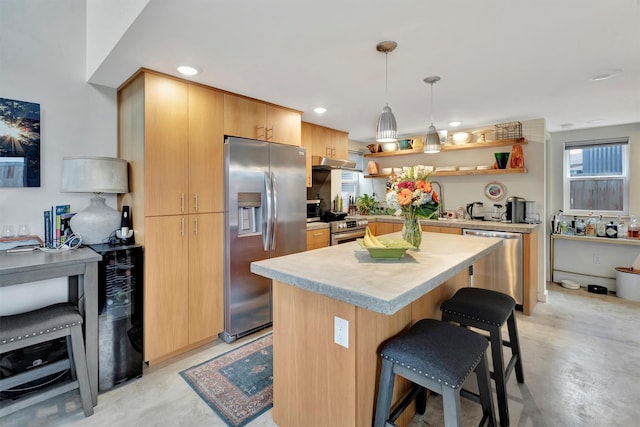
171	133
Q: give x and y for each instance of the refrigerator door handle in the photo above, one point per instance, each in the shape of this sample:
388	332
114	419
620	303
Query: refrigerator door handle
274	211
266	212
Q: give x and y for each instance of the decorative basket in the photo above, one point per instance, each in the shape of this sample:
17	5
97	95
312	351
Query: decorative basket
511	130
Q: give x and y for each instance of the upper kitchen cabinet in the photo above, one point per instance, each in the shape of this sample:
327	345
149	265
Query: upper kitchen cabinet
305	133
249	118
206	150
170	131
326	142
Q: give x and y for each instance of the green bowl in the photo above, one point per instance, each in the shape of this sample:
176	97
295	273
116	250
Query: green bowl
395	248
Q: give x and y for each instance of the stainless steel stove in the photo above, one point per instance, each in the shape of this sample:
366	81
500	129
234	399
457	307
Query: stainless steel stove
347	230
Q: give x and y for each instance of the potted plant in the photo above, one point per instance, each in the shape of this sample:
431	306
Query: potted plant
366	204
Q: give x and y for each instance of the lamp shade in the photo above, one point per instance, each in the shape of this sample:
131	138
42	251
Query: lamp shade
432	140
94	175
387	130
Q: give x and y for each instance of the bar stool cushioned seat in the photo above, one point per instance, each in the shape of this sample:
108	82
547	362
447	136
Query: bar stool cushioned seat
489	310
38	326
437	356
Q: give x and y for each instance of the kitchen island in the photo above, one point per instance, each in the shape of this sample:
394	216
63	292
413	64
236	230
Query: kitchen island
320	383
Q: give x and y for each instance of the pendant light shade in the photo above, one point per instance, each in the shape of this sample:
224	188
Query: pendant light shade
387	129
432	139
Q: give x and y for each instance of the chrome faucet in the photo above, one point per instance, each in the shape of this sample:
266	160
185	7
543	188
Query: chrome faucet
441	195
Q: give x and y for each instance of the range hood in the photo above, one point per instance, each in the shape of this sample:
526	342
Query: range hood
326	163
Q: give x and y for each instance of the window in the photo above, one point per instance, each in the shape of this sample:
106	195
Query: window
596	177
350	178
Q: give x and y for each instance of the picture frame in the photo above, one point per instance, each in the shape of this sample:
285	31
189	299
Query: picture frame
19	143
495	191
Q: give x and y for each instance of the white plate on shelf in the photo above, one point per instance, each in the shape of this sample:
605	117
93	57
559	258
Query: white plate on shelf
467	168
445	168
484	167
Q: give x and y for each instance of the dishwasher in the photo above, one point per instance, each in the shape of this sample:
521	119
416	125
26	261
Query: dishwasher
501	270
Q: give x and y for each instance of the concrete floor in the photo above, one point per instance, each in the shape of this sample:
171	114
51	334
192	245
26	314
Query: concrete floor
581	356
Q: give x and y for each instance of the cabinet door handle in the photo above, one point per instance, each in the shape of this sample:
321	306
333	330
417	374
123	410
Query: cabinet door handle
272	129
182	202
182	226
195	226
258	133
195	207
317	234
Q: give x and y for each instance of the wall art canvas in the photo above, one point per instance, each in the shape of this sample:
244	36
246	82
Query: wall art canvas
19	143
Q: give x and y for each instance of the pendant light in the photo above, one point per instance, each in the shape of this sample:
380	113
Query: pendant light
432	139
387	130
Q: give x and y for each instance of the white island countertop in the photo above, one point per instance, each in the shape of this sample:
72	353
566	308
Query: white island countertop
347	272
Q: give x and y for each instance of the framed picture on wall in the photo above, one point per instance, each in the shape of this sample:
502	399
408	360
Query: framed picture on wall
19	143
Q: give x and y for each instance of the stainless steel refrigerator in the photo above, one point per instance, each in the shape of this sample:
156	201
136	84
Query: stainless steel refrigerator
265	217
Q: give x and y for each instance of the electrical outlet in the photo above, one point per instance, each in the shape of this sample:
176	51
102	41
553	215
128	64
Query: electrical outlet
596	258
341	331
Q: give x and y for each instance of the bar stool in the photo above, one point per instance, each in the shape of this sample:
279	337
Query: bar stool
38	326
438	356
489	310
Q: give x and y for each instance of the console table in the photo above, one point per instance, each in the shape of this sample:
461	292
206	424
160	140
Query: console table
81	267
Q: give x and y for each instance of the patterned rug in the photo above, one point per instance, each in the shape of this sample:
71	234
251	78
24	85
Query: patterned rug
238	385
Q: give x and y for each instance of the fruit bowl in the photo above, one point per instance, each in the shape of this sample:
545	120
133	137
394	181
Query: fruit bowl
394	248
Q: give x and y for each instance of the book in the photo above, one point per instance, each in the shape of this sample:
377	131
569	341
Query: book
47	229
65	226
60	210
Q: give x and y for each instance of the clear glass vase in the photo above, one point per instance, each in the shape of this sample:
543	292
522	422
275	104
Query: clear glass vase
411	231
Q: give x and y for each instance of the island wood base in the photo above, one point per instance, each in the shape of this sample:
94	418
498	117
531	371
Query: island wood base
320	383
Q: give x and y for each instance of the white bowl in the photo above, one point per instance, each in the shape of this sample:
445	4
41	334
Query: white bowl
397	170
389	146
386	171
460	138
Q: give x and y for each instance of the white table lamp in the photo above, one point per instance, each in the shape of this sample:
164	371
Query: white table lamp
96	175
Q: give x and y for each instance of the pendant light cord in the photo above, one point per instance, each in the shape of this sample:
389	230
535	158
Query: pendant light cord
386	78
431	104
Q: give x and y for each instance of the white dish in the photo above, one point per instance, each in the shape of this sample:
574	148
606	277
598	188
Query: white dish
484	167
460	138
386	171
389	146
570	284
445	168
467	168
397	170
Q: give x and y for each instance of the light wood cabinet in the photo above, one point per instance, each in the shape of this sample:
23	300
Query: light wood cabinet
317	238
327	142
249	118
305	132
171	133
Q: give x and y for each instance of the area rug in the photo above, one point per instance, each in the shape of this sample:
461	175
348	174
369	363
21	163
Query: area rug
237	385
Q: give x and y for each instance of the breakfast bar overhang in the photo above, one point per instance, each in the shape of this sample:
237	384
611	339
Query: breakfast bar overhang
320	383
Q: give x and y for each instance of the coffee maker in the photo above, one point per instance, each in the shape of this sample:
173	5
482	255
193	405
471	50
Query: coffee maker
515	212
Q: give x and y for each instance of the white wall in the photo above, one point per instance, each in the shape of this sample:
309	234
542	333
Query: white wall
570	255
42	60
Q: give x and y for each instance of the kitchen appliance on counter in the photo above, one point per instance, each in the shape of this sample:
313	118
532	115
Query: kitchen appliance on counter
502	269
313	210
264	218
515	212
347	230
473	209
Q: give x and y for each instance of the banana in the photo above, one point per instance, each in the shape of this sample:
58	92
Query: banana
371	241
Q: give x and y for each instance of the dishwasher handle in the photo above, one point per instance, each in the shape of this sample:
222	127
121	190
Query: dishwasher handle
489	233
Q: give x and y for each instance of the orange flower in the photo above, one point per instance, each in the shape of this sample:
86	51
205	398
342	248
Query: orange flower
405	197
424	186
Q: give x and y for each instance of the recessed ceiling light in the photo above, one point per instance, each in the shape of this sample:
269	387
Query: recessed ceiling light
455	124
595	121
566	125
320	110
605	75
187	70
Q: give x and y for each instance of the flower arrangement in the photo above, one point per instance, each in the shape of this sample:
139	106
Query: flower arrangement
412	195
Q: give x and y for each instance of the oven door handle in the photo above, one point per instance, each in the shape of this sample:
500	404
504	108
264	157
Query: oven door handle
344	235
